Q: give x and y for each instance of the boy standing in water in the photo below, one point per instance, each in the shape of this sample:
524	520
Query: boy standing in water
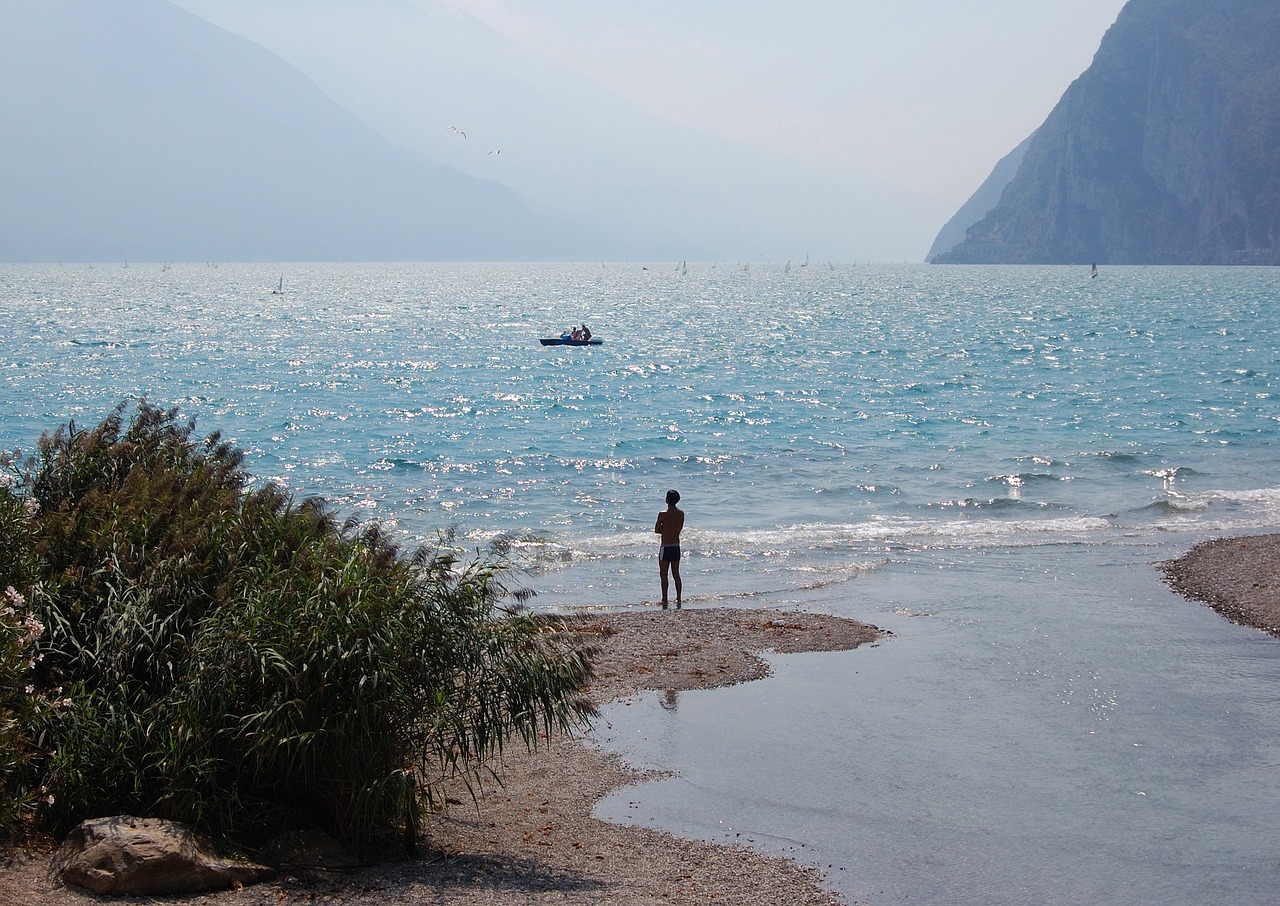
670	522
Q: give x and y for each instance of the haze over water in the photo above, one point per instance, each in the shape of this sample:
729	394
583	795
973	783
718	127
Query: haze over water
987	461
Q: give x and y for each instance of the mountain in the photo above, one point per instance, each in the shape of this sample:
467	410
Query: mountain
981	201
1165	151
136	130
573	146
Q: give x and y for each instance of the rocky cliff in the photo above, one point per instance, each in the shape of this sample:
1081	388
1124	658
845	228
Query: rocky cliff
1165	151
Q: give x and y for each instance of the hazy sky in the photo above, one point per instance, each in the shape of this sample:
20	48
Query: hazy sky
928	94
889	114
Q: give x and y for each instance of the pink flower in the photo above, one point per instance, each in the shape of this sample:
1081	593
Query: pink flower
34	627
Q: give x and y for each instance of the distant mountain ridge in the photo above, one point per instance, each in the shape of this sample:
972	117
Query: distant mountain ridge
575	148
1165	151
135	130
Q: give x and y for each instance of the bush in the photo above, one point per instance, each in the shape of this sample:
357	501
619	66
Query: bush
244	663
22	710
23	707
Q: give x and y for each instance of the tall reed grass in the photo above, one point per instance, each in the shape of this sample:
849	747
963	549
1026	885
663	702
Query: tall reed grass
242	661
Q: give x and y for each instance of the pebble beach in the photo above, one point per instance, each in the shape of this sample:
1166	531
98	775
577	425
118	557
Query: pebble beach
1237	577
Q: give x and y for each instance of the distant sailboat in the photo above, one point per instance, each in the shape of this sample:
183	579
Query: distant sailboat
1094	273
279	290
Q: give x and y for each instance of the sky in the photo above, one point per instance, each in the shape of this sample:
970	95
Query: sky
927	94
874	120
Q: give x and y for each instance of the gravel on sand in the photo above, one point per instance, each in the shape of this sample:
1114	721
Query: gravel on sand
532	840
1237	577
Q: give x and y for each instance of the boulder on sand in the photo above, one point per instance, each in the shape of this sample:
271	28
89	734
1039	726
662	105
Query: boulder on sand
147	857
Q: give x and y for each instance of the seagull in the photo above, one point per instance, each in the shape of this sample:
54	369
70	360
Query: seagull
497	151
459	131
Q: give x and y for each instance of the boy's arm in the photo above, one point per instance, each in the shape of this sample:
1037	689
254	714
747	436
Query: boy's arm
657	526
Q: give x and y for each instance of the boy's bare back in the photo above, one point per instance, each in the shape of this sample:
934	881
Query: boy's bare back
670	522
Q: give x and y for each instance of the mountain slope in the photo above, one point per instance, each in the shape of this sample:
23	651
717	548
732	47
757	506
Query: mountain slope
1166	150
980	202
572	145
138	131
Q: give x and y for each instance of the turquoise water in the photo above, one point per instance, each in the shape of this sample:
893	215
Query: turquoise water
987	461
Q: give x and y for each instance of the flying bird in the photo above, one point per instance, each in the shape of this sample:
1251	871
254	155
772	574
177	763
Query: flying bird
459	131
497	151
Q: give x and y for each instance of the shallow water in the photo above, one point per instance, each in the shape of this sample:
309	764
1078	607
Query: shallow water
1048	727
987	461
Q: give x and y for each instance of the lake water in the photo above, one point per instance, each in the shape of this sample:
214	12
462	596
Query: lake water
987	461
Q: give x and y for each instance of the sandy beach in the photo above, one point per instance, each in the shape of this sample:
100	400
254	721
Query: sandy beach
532	839
1237	577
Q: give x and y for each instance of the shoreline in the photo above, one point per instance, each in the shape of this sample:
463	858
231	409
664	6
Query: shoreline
1239	577
532	839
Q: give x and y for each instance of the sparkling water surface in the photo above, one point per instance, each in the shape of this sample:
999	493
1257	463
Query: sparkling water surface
987	461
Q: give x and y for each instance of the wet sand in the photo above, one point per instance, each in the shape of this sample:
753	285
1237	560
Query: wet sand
532	839
1237	577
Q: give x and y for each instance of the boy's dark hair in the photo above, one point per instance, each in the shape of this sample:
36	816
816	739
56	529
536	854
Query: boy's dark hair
673	496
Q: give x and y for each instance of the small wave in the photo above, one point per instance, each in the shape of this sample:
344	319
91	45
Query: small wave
832	575
100	344
550	552
813	555
780	540
1022	479
1169	474
991	504
1119	457
1022	532
1254	499
394	463
1269	496
534	552
807	573
1178	507
1253	504
1046	461
1218	511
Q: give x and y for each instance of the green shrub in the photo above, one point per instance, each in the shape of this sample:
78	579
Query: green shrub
243	662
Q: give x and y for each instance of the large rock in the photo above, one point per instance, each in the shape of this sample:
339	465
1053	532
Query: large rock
147	857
